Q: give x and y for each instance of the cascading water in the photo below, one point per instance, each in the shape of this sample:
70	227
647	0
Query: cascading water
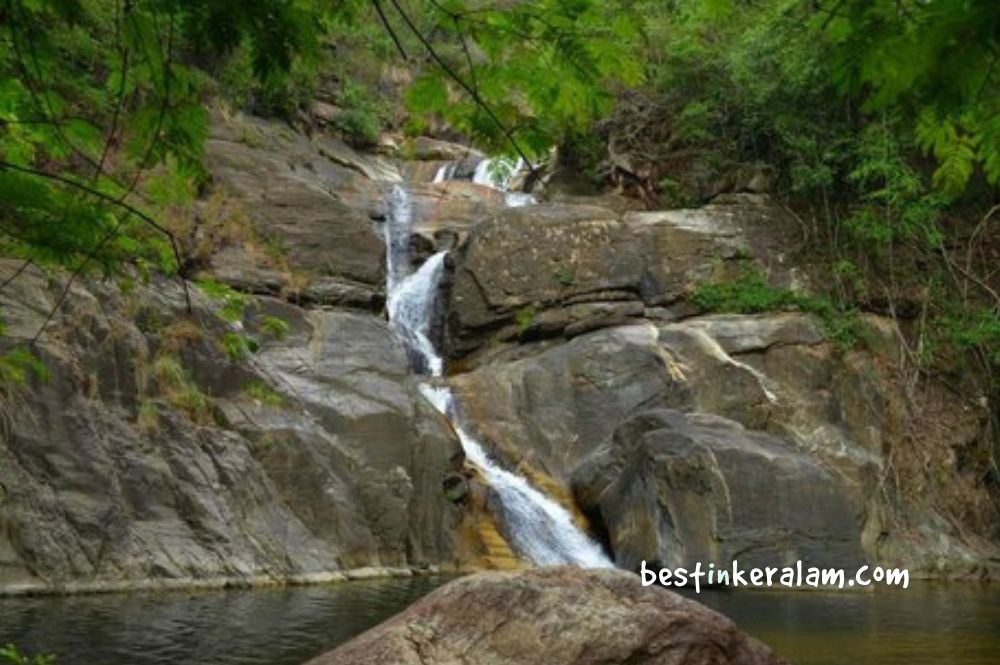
538	527
397	239
497	173
445	172
410	307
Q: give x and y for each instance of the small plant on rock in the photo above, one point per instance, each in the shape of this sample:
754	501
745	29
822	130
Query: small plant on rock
10	654
264	394
274	327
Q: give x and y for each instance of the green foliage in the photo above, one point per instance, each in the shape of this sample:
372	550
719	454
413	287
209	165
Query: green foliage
977	329
540	69
751	293
91	98
238	346
148	415
264	394
525	319
729	86
234	303
18	366
175	384
897	205
742	74
169	372
10	654
565	276
936	60
274	327
363	114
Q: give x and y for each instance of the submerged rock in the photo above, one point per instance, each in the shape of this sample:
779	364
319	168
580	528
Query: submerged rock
553	616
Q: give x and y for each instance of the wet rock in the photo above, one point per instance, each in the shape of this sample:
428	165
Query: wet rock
456	487
424	148
452	207
553	616
552	409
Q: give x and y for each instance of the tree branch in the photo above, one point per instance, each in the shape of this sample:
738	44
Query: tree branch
388	28
87	189
480	102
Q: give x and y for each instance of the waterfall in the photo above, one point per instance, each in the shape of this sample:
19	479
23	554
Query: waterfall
445	172
397	238
538	527
494	172
411	306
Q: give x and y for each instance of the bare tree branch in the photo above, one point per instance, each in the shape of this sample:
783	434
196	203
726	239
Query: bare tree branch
476	97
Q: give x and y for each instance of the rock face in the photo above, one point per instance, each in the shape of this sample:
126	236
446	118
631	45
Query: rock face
553	617
570	326
665	486
163	450
320	205
677	489
149	456
564	269
313	197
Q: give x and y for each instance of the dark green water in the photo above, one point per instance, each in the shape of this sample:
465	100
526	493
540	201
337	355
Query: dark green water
927	624
937	624
281	626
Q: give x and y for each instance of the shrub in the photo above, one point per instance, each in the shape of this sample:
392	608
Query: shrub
264	394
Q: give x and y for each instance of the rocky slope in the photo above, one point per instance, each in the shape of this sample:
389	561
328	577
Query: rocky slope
553	616
155	455
688	436
148	455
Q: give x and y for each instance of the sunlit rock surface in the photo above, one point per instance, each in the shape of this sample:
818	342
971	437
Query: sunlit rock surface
554	616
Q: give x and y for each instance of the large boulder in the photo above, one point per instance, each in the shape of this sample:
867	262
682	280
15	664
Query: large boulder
677	489
526	260
151	456
550	410
553	616
562	270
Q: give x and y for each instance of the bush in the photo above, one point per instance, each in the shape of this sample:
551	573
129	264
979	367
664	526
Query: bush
751	293
10	654
363	114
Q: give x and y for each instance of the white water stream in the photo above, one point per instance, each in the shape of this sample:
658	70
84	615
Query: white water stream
538	527
494	172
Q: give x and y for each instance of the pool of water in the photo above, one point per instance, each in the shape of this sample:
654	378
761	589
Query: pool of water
281	626
927	624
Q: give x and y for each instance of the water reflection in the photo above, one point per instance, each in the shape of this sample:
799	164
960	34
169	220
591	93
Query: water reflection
927	624
258	627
